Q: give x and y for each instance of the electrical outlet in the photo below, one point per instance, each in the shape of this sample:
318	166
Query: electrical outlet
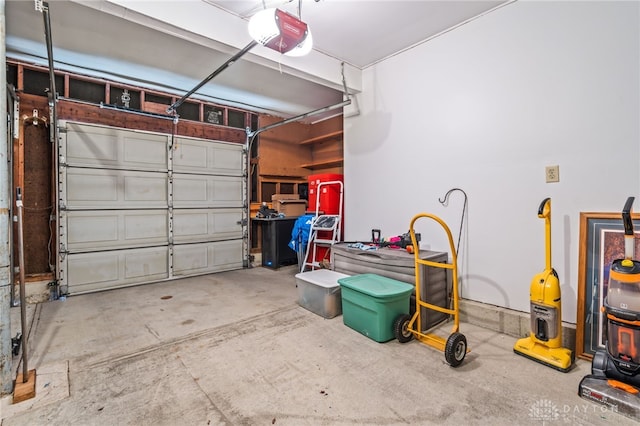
552	173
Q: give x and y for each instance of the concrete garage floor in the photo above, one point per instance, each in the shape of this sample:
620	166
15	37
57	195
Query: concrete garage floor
235	349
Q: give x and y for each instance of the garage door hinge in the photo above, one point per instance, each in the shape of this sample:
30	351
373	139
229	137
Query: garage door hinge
62	130
242	222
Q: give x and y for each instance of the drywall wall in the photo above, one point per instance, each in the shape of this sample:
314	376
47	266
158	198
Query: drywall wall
485	107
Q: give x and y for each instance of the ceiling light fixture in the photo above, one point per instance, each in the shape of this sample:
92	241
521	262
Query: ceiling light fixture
281	32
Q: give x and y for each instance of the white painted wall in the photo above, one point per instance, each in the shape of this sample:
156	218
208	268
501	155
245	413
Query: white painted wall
485	108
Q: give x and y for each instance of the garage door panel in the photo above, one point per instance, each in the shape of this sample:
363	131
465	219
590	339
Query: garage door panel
134	211
85	272
144	153
145	188
113	189
141	264
103	147
86	186
204	258
207	157
198	225
115	229
206	191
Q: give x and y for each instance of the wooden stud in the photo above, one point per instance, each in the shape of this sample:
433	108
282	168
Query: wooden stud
25	390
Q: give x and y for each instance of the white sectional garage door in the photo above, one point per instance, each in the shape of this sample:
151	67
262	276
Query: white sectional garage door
135	208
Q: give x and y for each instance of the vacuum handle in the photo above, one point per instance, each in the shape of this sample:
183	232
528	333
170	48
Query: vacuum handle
544	212
629	240
541	210
626	216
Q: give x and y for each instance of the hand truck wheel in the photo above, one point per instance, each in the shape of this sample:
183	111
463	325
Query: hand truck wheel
401	328
455	349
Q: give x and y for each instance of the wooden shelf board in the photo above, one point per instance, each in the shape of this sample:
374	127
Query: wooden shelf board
322	138
321	164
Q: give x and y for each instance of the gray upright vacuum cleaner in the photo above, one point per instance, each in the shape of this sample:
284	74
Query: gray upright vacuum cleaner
614	381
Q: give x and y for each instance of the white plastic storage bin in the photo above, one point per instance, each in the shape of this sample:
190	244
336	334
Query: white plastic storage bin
319	292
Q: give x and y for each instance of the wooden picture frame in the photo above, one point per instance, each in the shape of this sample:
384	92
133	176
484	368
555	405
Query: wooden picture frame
601	242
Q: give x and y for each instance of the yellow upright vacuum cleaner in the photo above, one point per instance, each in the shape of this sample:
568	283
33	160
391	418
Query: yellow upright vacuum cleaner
545	339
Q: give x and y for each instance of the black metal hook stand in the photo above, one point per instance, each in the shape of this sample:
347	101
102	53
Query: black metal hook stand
445	201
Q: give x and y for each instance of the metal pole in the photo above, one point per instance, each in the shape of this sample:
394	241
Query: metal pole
23	302
52	77
300	117
6	379
53	134
223	67
247	196
12	133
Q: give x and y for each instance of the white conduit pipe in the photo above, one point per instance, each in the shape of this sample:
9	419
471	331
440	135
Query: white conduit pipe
23	299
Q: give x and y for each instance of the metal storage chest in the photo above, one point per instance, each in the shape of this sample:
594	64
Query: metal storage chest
399	265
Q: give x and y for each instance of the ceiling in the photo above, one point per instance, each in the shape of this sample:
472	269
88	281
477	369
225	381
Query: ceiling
363	32
173	45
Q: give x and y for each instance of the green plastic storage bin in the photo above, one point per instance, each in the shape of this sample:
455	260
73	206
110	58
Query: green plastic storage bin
371	303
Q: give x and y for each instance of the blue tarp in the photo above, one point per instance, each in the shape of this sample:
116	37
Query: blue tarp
300	233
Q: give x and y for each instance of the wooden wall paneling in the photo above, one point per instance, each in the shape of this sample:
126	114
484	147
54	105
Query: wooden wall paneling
65	89
278	158
20	78
69	110
327	154
280	153
33	173
326	145
325	127
292	132
37	198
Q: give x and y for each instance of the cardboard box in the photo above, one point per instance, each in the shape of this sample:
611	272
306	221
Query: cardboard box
289	204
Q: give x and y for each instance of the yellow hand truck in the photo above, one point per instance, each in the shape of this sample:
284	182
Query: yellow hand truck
406	327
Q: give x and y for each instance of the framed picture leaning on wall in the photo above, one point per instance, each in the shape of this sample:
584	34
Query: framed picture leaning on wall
601	242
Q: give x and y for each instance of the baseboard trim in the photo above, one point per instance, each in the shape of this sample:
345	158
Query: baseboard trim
508	321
